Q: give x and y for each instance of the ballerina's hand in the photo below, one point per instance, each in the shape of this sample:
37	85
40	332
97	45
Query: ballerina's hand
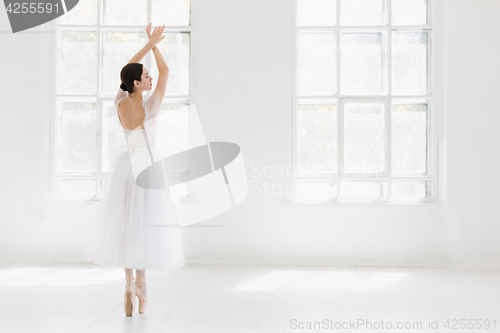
156	36
148	31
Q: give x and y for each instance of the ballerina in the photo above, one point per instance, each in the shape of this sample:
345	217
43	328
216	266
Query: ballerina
126	237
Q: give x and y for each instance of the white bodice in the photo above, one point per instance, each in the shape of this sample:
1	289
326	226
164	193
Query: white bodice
141	143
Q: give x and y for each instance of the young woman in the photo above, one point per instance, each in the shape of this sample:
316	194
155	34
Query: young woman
138	227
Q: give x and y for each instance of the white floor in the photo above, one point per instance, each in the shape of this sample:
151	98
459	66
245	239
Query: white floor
209	298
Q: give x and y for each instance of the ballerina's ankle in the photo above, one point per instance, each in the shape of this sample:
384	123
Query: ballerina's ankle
142	287
129	282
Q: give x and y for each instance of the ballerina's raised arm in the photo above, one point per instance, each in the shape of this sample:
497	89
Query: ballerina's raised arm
163	70
154	38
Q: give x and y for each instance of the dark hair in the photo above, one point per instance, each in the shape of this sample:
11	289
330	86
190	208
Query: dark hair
130	72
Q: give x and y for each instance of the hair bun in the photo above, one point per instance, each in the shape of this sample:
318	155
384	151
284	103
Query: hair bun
123	87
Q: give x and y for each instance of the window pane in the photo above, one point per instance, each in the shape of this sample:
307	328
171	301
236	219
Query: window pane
409	190
409	12
364	138
118	49
85	12
125	12
363	12
171	12
363	62
175	48
315	190
78	127
317	139
363	189
409	62
77	186
79	62
409	137
316	12
316	64
112	136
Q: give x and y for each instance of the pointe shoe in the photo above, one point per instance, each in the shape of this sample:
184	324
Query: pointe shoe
129	300
142	298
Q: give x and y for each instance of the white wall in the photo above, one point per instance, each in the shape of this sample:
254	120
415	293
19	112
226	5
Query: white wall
473	118
243	95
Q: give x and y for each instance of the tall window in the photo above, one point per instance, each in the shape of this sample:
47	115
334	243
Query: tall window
92	44
362	111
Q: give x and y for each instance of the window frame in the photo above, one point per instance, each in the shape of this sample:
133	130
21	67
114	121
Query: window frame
433	98
99	98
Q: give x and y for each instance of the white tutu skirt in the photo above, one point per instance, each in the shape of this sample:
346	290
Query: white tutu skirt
137	228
